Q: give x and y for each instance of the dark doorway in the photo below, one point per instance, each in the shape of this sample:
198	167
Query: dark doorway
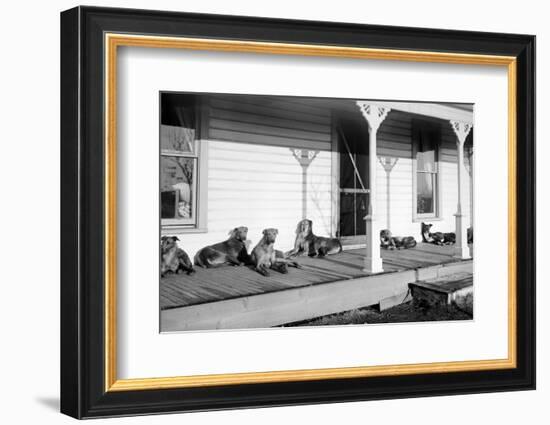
353	149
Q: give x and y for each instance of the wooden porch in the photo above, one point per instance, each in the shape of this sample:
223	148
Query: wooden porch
238	297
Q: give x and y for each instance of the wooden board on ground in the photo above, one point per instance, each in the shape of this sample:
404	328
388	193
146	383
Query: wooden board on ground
444	290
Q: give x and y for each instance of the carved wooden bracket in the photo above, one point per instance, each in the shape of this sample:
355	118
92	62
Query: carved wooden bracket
374	114
388	162
461	129
304	156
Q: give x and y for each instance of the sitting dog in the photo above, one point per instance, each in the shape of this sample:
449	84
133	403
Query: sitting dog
233	251
173	258
437	238
388	241
265	257
308	244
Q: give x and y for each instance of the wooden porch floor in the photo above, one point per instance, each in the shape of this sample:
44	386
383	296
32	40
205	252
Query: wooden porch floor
209	285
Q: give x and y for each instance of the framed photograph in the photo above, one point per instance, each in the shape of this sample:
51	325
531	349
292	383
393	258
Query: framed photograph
261	212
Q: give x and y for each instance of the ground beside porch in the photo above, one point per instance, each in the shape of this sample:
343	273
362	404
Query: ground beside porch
213	285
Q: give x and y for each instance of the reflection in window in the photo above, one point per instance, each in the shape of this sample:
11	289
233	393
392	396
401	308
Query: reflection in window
425	193
426	140
177	180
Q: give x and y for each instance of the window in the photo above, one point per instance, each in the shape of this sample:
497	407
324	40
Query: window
426	139
179	161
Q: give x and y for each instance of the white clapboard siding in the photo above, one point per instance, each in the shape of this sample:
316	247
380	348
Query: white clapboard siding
395	140
265	193
255	181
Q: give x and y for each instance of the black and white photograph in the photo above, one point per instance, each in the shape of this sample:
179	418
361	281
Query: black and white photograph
284	211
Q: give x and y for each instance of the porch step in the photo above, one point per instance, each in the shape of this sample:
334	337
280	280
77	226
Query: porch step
429	275
451	289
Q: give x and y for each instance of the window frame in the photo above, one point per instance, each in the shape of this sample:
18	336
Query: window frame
192	221
198	222
436	215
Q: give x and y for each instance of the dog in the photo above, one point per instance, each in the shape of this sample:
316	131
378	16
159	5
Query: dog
437	238
309	244
265	257
233	251
388	241
173	258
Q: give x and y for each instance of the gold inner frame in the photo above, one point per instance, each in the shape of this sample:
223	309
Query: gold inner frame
113	41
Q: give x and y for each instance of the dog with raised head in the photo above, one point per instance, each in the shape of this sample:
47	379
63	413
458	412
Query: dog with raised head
307	243
264	256
232	251
437	238
173	258
388	241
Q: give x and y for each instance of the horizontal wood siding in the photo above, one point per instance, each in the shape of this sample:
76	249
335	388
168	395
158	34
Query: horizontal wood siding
253	178
264	190
395	140
276	123
255	181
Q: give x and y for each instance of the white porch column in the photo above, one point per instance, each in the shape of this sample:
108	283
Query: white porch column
461	129
374	115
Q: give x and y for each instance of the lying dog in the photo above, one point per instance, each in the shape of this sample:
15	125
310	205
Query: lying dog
173	258
308	244
265	257
437	238
388	241
233	251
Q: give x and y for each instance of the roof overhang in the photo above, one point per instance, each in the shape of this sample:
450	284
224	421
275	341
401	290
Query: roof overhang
444	112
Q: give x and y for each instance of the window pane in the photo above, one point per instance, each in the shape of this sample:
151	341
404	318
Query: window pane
425	193
425	156
177	139
177	177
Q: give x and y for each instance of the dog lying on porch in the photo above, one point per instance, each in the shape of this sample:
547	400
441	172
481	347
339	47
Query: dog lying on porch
307	243
173	258
387	241
437	238
265	257
232	251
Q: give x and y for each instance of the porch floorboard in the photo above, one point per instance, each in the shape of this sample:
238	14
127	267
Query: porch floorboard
211	285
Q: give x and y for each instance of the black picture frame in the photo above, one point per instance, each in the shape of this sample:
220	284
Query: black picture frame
83	392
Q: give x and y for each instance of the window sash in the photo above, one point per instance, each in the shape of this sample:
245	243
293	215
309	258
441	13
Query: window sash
423	167
183	221
170	132
434	193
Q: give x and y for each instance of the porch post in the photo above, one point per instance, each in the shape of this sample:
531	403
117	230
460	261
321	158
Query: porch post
461	129
374	115
304	157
